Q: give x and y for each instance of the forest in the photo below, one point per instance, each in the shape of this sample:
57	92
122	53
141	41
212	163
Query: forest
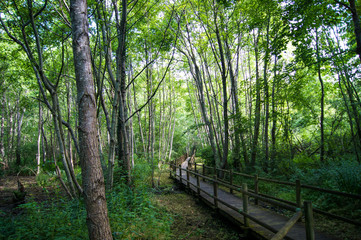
98	97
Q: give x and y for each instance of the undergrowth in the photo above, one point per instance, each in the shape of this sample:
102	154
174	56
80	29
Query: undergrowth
132	215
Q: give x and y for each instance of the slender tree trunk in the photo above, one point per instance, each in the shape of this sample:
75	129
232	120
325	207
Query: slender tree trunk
258	106
357	26
195	116
38	155
266	96
196	74
92	175
139	123
12	121
123	136
355	143
68	103
322	147
236	111
171	140
2	131
274	117
151	129
44	142
20	118
225	104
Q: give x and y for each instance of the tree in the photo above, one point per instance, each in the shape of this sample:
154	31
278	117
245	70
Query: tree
92	175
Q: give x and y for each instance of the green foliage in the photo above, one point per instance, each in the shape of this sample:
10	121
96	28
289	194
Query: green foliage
207	155
348	177
47	220
46	179
132	215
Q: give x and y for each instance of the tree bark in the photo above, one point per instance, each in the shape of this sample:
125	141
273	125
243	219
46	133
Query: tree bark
274	116
357	26
322	101
38	155
123	136
20	118
225	98
266	96
2	131
258	106
92	175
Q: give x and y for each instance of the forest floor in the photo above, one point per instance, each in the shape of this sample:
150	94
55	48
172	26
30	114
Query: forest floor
192	218
9	185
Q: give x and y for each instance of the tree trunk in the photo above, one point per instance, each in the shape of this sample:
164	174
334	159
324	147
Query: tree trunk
38	155
92	175
123	136
258	107
20	118
266	96
225	98
322	146
357	26
2	131
274	117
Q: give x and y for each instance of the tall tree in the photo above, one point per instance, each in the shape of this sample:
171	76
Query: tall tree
92	175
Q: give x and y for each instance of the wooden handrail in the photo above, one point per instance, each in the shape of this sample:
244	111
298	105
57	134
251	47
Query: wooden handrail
293	206
344	194
238	189
278	234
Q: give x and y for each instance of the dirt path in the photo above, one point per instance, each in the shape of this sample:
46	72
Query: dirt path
192	219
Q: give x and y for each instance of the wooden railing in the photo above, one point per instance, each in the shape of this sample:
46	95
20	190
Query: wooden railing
296	185
279	234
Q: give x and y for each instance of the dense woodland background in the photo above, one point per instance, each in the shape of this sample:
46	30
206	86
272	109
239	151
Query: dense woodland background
265	86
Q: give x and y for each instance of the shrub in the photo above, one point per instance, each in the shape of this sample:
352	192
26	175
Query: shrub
207	155
132	215
47	220
348	177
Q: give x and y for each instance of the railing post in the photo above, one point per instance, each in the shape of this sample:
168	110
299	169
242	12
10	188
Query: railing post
187	177
245	203
180	174
195	167
198	185
256	188
310	233
298	193
203	171
231	180
215	170
215	191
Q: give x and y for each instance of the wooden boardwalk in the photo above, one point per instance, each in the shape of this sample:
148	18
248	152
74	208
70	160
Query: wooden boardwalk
276	221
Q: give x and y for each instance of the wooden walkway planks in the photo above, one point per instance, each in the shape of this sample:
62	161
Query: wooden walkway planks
272	219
